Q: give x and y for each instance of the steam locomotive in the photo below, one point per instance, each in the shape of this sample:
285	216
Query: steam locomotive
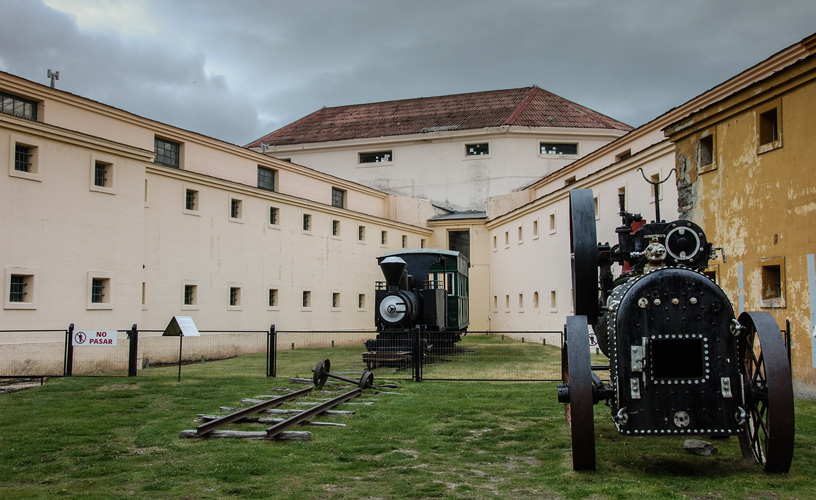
426	288
679	361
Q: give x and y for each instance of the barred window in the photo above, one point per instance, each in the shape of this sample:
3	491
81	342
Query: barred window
23	157
189	295
102	172
17	288
99	290
235	296
273	216
191	200
167	152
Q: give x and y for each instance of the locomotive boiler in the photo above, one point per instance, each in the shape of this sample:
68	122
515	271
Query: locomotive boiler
680	362
425	288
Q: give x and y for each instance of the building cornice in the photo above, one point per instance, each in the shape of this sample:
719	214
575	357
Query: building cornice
52	132
272	196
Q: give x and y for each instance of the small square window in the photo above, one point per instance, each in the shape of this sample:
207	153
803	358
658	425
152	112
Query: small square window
24	159
307	299
274	216
273	297
235	296
235	208
20	291
102	175
266	178
335	228
190	295
569	180
706	151
480	149
100	290
168	153
338	198
307	222
191	200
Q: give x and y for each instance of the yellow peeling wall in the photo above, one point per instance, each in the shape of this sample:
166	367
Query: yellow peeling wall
757	201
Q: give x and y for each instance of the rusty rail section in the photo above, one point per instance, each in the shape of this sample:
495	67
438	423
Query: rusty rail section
203	429
307	414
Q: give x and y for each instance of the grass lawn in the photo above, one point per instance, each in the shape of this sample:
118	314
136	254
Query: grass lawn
117	437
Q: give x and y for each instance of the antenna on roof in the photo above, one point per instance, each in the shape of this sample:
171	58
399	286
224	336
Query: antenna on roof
53	75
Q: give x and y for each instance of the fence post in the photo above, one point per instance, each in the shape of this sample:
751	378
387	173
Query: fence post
133	350
271	352
68	365
416	355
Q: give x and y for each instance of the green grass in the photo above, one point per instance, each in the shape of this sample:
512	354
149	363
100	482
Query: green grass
118	438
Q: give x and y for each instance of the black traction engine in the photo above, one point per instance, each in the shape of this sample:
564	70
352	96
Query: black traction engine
680	363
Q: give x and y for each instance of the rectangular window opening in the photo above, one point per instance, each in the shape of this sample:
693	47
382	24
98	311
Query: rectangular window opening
555	148
273	297
307	222
168	153
376	157
480	149
768	127
274	216
266	178
191	200
338	198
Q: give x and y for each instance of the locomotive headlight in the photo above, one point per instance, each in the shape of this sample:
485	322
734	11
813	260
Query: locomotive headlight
393	309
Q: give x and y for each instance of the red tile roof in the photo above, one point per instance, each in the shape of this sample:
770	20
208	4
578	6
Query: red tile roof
528	106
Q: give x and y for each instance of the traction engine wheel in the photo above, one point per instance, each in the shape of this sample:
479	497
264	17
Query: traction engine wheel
576	374
769	424
584	249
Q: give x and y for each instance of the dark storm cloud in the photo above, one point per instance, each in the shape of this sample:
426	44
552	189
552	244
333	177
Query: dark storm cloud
238	70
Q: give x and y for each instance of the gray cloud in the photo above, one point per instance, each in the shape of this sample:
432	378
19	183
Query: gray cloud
238	70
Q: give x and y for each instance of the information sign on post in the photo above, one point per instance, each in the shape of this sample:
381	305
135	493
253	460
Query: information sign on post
94	338
181	326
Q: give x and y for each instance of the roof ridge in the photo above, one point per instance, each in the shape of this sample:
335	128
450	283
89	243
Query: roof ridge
523	105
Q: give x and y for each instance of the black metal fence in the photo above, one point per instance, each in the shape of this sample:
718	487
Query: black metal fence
480	355
70	352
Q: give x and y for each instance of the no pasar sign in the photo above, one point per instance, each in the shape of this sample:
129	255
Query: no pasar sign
94	337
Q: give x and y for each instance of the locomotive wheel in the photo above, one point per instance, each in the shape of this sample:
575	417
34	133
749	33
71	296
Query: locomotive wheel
576	374
321	373
584	249
769	425
367	380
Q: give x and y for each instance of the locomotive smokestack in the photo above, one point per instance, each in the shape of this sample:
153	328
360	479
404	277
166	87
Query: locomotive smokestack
393	268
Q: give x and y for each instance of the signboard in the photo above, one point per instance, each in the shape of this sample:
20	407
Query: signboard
593	340
94	337
181	326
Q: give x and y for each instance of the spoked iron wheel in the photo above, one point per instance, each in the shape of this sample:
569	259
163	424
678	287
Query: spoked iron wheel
576	374
767	438
584	249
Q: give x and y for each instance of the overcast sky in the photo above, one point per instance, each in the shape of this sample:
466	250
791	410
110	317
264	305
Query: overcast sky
239	69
